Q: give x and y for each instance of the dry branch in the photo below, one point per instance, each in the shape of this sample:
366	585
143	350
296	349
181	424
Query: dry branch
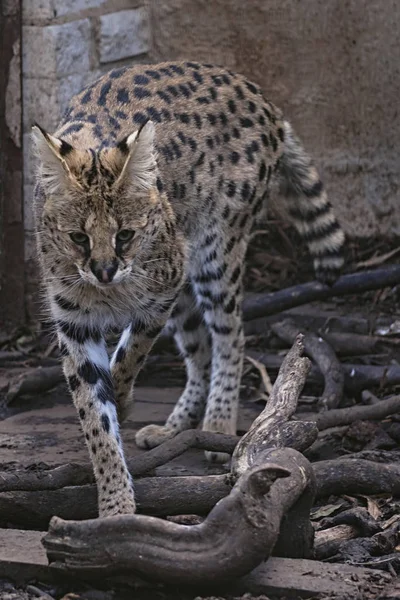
159	496
345	416
38	478
353	476
261	305
36	381
323	355
356	377
270	428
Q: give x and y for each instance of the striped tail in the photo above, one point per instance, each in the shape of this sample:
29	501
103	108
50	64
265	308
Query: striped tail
310	209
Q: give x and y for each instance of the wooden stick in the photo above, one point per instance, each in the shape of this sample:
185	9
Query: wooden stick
323	355
346	416
261	305
270	429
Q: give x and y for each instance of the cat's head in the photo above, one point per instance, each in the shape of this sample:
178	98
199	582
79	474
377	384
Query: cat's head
99	208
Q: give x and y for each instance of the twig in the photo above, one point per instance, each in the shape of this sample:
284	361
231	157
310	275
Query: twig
261	305
263	374
323	355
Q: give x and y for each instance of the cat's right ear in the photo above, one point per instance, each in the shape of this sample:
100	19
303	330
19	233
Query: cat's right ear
54	154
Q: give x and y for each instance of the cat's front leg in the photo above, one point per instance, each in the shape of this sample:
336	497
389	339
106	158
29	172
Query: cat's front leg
87	370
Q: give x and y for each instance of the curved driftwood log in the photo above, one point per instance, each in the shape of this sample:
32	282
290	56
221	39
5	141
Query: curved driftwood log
271	428
274	487
323	355
237	535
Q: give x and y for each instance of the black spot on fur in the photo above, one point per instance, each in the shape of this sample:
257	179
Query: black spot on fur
251	87
141	92
265	140
74	128
82	414
197	120
105	423
197	77
192	322
138	326
231	191
239	92
65	304
78	333
222	329
153	74
273	142
73	383
140	118
244	122
314	191
154	114
263	171
105	88
235	275
234	157
121	353
164	96
123	96
141	79
86	97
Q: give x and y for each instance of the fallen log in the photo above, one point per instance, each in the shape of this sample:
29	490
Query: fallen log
163	496
159	496
261	305
323	356
352	476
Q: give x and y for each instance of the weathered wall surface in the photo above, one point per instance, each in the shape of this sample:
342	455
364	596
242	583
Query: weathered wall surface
332	66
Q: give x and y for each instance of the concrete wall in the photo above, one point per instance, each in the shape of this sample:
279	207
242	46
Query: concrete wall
333	66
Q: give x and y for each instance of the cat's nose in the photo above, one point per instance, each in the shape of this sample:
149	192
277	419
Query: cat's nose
104	271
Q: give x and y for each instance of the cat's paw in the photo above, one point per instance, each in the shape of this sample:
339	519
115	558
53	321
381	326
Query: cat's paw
154	435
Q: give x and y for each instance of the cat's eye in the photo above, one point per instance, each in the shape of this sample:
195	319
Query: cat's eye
125	235
79	238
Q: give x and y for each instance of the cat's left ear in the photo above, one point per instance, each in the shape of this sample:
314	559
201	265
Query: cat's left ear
138	158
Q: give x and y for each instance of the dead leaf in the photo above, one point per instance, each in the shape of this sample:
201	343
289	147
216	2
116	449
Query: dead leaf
325	511
372	507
